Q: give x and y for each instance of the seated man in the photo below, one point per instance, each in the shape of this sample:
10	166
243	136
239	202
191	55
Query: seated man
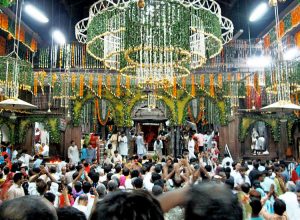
28	208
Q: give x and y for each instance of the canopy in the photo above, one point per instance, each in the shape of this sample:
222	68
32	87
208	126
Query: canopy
16	104
281	106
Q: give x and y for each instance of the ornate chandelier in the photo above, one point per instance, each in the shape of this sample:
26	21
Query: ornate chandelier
154	41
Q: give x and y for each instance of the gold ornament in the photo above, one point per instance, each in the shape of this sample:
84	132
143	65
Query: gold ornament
141	3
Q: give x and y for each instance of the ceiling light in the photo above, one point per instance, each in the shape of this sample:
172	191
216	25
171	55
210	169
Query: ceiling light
259	61
35	13
258	12
58	37
291	53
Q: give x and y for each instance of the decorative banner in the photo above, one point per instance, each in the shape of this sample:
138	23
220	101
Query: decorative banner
8	25
288	23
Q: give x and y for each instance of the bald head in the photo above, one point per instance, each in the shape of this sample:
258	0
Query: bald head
28	208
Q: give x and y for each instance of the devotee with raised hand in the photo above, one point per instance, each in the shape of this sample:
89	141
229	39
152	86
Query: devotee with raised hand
73	153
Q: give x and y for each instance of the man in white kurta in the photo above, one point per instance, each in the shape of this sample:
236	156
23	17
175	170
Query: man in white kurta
73	153
123	145
140	143
191	147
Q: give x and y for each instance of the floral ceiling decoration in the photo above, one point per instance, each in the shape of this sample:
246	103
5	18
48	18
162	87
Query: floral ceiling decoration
154	41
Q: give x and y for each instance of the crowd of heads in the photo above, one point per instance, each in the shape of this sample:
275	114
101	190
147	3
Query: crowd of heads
147	188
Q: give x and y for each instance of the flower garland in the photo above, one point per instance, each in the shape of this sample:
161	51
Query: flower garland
202	81
256	83
127	82
229	77
81	85
288	23
183	82
118	92
100	86
108	82
199	117
297	39
212	85
7	3
35	84
102	122
193	92
91	80
220	80
174	87
25	38
73	81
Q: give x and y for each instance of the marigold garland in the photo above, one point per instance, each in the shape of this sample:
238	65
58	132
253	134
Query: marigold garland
127	82
91	80
267	41
220	80
281	29
108	82
238	77
202	81
60	56
256	83
297	39
73	81
199	116
212	85
174	87
81	84
295	14
35	84
193	92
102	122
100	86
229	77
54	79
184	82
118	92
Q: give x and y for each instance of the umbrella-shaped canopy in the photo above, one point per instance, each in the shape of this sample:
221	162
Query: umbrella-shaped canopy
281	106
16	104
